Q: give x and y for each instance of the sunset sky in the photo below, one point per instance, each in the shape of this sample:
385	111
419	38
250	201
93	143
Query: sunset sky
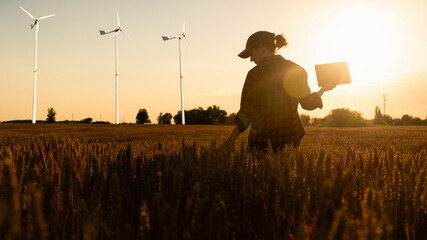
384	43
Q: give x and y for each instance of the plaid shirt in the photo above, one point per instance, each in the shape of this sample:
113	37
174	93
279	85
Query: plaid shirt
270	100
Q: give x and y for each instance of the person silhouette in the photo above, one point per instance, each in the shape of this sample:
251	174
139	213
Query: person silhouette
271	94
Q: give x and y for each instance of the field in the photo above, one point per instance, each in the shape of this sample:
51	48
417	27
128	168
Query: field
70	181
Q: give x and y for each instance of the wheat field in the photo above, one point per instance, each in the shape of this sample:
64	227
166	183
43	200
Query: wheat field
71	181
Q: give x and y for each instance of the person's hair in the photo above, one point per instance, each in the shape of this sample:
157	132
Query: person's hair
279	42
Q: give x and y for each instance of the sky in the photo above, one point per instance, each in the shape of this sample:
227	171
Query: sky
382	41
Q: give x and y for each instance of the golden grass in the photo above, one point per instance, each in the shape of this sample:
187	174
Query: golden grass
69	181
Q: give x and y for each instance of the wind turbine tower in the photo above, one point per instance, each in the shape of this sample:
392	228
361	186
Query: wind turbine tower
35	24
116	36
182	35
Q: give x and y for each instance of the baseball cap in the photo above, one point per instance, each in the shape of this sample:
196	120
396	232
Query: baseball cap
254	40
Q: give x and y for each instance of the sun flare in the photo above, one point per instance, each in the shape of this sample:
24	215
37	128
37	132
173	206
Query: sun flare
367	37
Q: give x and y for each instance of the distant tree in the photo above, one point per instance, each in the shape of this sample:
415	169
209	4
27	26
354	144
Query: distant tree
18	121
379	118
409	120
318	121
51	115
87	120
101	122
195	116
305	119
229	120
177	118
142	117
382	119
212	115
215	116
343	117
388	119
164	118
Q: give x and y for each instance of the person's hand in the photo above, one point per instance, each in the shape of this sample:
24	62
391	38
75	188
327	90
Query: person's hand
326	87
329	86
231	139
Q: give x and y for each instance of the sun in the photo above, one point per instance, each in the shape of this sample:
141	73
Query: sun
366	36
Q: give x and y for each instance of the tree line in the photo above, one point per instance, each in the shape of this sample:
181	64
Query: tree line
344	117
214	115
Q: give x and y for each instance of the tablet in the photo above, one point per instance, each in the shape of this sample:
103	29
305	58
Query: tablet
336	72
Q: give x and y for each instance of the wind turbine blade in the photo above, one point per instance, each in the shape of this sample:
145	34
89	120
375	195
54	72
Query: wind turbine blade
47	16
31	16
183	28
165	38
115	34
126	34
188	42
118	19
102	32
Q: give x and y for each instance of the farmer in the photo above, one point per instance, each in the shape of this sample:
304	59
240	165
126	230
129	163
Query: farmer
270	96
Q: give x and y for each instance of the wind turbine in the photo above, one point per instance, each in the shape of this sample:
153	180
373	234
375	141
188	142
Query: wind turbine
35	24
182	35
116	36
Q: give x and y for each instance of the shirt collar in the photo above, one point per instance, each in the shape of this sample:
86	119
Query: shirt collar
269	59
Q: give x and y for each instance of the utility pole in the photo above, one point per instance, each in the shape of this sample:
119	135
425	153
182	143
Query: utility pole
385	98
